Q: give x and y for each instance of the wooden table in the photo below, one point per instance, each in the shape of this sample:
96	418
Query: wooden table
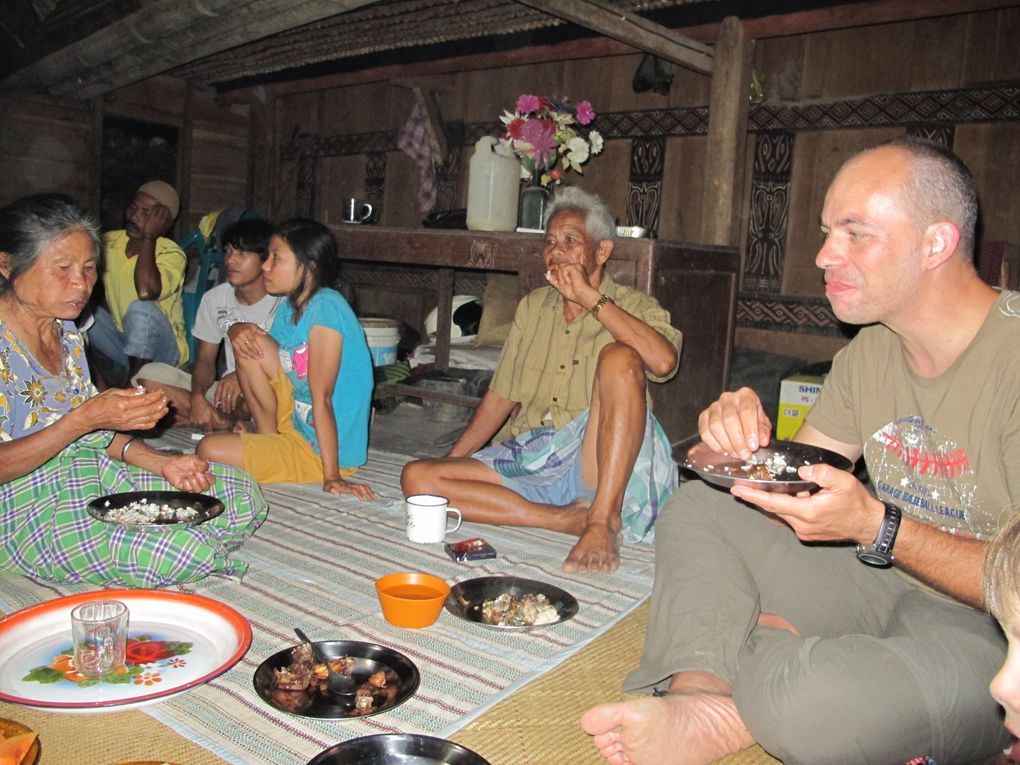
697	284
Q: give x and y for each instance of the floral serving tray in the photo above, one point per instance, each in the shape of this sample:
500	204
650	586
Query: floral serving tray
175	642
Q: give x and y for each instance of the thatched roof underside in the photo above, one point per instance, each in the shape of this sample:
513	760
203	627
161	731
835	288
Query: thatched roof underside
391	25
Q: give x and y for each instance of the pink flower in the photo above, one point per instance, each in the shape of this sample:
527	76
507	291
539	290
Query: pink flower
527	104
585	114
541	135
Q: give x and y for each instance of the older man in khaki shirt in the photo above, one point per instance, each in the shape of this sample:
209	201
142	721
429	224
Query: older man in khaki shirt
582	452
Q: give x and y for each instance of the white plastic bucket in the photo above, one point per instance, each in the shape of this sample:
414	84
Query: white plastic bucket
382	336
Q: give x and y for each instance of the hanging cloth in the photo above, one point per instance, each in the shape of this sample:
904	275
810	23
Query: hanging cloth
413	140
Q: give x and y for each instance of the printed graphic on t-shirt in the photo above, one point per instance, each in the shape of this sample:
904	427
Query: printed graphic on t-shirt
300	360
926	474
226	317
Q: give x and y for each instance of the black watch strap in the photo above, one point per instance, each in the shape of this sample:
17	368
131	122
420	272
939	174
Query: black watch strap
879	553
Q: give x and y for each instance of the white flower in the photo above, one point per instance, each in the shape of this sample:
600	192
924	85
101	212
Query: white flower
596	141
577	151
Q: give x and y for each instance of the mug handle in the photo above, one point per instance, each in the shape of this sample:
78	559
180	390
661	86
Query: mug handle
460	519
367	211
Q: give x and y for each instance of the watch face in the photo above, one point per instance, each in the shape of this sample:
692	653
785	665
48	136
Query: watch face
873	558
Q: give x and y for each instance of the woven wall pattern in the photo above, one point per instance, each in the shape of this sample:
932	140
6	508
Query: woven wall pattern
769	212
787	314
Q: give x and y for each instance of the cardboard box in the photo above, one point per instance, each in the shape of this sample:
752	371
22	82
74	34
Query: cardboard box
797	395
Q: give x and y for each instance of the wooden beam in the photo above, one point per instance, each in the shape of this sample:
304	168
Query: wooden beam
164	35
727	130
631	29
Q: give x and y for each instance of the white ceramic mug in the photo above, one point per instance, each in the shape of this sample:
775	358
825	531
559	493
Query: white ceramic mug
357	212
428	518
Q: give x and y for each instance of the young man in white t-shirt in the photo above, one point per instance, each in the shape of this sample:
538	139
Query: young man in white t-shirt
199	399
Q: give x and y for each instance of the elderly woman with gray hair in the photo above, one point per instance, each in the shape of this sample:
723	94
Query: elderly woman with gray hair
62	444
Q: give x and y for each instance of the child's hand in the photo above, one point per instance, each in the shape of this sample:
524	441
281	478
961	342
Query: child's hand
340	486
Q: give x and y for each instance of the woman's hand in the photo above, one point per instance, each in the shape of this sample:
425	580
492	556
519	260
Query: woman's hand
123	409
244	339
189	472
228	393
340	486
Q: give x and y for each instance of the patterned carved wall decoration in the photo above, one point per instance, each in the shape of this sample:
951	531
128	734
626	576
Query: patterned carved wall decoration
653	122
940	134
787	314
644	193
942	106
769	212
375	181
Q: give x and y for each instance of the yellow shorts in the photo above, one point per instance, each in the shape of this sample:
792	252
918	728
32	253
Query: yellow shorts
284	456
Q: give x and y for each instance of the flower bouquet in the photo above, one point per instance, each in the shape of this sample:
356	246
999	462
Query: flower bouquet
544	130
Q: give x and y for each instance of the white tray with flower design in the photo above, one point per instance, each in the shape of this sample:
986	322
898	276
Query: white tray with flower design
175	642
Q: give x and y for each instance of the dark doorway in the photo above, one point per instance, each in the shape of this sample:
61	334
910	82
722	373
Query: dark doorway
133	152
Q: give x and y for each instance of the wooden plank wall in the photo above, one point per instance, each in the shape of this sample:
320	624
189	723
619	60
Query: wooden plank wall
47	145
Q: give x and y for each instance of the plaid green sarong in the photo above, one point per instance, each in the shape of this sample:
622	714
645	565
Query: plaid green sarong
46	532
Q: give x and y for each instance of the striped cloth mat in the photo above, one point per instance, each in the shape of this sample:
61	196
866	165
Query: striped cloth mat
313	564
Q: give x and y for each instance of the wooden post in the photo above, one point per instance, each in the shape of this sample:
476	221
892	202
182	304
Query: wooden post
727	131
264	153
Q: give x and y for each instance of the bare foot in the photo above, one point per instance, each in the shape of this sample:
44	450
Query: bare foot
572	518
676	729
598	550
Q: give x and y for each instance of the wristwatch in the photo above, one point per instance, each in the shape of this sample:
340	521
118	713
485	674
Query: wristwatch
879	553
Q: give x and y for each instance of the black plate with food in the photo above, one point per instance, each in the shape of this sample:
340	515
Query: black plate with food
288	680
155	509
771	468
510	602
397	749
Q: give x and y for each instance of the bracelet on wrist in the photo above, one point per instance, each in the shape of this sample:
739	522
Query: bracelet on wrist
603	301
125	447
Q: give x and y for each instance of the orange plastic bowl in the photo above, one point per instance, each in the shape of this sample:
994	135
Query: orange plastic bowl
411	599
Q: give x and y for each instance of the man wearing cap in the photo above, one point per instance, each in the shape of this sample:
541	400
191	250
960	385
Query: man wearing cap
143	275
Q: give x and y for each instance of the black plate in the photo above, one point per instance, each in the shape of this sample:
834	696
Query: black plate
722	470
397	749
369	658
466	598
207	506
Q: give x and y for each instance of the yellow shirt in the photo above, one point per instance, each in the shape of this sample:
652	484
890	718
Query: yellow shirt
119	282
549	366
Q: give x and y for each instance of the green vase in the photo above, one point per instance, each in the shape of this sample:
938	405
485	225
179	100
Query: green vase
531	208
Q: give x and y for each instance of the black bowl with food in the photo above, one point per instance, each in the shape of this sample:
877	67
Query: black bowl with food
155	510
510	602
771	468
292	681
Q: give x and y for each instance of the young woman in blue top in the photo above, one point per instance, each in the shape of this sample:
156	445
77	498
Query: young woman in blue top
308	381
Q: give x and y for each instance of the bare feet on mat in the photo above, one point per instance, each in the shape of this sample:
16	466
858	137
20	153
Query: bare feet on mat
597	551
675	729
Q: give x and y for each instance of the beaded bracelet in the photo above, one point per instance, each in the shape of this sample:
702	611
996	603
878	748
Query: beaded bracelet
124	448
602	301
